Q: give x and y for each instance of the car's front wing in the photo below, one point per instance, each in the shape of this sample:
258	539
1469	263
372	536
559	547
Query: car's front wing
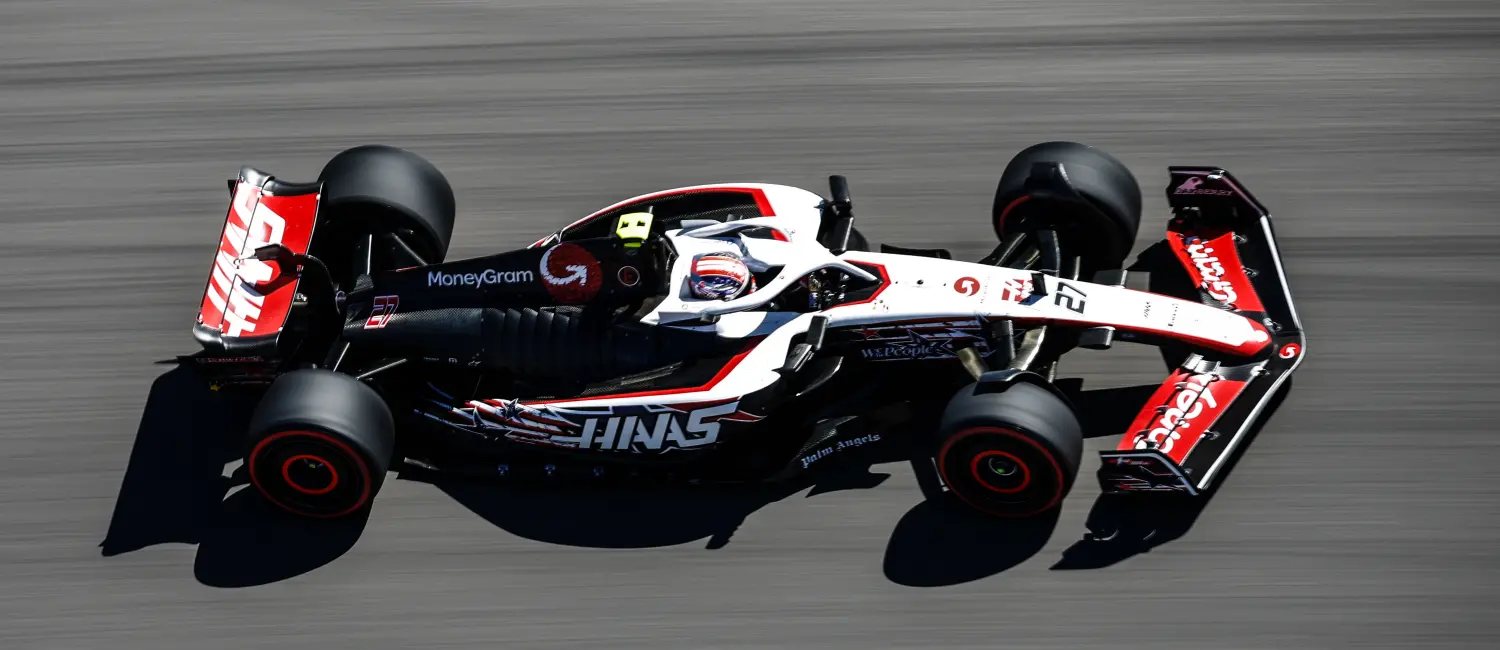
1187	431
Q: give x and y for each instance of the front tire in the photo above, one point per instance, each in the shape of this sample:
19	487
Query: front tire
858	241
1009	451
319	444
1103	235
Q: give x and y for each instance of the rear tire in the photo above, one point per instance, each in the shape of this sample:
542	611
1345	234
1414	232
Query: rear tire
319	444
384	191
1012	453
1103	236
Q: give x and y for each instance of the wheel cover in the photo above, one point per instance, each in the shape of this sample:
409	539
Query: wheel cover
1001	471
310	473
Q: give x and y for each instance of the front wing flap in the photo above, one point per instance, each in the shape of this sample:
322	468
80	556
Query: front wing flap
1183	436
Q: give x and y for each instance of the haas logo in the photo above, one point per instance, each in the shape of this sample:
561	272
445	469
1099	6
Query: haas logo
570	273
966	285
239	300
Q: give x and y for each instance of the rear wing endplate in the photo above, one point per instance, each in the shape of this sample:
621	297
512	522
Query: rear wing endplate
246	301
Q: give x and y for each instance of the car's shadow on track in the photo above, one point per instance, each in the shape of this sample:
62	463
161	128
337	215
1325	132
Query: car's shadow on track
939	543
634	517
174	492
1123	526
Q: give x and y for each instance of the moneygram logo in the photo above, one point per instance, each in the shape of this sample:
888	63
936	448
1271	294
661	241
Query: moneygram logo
484	278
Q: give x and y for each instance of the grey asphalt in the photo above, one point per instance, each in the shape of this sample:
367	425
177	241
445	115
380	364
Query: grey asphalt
1364	514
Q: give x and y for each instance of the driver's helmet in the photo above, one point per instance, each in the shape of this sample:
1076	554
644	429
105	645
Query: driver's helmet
720	276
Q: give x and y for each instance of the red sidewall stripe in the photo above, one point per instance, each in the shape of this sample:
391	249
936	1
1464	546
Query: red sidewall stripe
1000	221
1010	433
359	462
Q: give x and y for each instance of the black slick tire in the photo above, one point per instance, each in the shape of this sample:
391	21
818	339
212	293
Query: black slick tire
1105	235
386	191
1013	452
319	444
858	241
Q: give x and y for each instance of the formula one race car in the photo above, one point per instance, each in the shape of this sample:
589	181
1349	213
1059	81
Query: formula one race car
732	333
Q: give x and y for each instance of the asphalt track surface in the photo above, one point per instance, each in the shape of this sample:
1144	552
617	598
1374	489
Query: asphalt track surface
1364	515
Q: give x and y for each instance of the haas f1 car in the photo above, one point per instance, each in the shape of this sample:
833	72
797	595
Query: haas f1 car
735	333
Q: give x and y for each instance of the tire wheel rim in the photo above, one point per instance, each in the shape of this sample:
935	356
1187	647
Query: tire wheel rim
310	473
1001	471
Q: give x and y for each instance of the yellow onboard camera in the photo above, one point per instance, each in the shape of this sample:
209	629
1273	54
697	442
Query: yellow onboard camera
633	228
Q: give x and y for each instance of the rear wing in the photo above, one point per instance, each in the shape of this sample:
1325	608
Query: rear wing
1192	425
246	301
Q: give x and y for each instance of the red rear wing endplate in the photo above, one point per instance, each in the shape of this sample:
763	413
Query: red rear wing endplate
246	302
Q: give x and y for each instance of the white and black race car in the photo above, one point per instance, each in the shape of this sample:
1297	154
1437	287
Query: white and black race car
734	332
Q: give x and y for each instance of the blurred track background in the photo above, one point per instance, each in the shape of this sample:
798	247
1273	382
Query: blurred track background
1364	515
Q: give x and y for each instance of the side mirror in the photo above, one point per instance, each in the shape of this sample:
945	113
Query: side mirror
838	216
